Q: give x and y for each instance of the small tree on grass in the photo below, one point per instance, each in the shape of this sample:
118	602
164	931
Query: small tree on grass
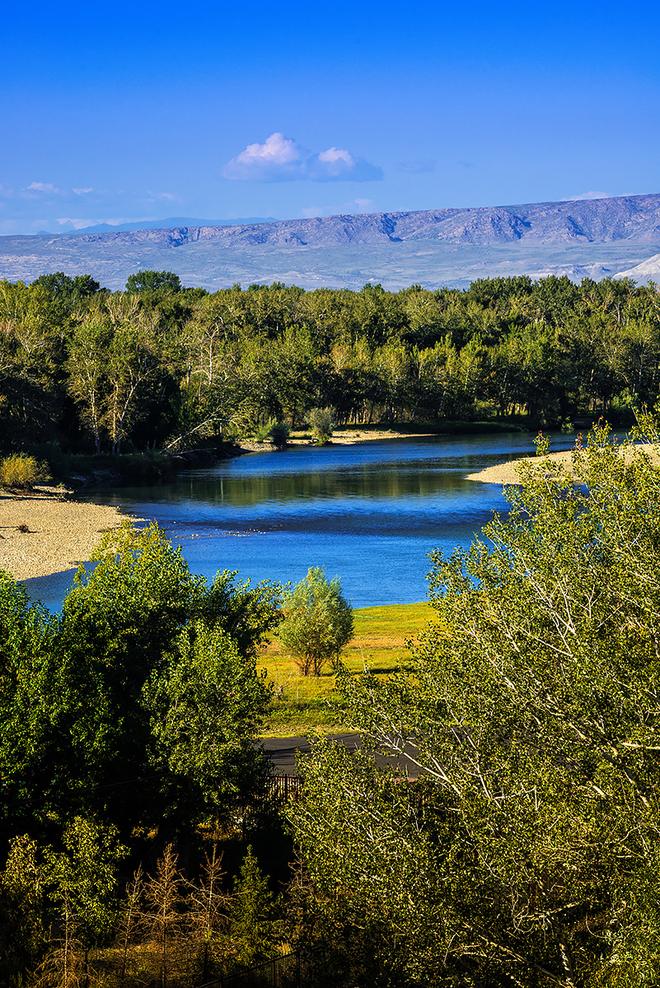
318	622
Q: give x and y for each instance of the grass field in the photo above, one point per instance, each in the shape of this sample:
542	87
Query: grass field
303	703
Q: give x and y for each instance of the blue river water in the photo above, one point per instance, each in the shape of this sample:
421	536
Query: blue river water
368	513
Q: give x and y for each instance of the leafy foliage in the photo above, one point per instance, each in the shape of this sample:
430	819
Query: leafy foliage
161	365
104	707
321	424
21	472
527	853
317	622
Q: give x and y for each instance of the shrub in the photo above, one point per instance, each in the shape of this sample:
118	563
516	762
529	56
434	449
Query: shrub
279	433
21	472
262	431
321	424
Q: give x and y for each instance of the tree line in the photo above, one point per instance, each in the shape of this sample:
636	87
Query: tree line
163	366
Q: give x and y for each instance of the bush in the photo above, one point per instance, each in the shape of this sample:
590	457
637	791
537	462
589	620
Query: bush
261	431
271	431
21	472
279	433
321	424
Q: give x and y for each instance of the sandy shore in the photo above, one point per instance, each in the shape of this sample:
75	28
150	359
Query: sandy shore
61	534
349	437
507	473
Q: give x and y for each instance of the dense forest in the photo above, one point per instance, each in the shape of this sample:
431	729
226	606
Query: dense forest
161	366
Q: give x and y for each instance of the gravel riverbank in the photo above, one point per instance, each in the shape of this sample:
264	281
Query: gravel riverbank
46	533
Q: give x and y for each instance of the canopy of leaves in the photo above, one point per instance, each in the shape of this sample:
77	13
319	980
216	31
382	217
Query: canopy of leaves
162	365
139	702
317	622
527	852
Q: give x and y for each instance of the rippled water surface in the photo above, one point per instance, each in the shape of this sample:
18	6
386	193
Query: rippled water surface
368	513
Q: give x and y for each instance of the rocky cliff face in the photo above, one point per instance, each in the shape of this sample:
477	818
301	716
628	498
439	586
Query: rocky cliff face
581	221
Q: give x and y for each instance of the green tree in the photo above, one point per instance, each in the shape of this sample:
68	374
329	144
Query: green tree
88	706
530	708
87	371
23	933
82	881
153	281
252	929
317	622
206	706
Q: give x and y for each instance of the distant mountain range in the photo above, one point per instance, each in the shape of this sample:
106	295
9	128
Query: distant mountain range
168	223
595	238
577	221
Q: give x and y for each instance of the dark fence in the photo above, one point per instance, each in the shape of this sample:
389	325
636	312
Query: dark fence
285	971
282	788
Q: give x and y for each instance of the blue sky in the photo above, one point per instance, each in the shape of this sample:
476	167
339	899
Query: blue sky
123	111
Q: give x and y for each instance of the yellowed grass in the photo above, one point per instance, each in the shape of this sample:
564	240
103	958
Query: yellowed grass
304	703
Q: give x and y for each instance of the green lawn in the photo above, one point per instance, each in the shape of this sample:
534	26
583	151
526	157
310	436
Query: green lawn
303	703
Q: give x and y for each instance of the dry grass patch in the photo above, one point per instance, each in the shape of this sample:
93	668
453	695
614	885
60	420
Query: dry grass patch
303	703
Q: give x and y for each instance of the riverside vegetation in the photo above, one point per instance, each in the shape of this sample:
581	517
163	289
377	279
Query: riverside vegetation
139	845
161	367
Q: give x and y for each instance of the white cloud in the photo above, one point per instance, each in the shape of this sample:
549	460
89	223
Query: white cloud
590	195
46	188
278	157
80	222
339	209
76	222
50	189
282	159
160	197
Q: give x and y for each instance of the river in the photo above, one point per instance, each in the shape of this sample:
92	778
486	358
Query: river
368	513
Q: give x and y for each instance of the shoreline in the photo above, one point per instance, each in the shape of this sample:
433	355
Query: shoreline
354	435
507	473
61	532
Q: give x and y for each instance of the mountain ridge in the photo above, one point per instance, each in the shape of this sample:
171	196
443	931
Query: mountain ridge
594	238
169	223
567	221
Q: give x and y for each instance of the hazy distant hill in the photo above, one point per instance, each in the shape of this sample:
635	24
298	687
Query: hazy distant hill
168	223
594	238
593	220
